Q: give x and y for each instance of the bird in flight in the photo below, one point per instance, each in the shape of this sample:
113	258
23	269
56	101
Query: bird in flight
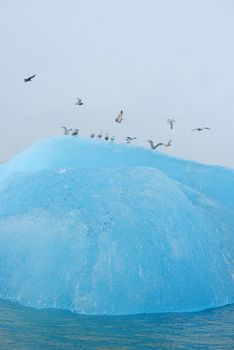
29	78
155	146
66	130
200	129
75	132
79	102
129	139
171	122
119	118
168	144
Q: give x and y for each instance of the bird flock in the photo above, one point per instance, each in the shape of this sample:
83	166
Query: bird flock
119	119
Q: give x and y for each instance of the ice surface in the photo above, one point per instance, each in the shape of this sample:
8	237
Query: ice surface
99	228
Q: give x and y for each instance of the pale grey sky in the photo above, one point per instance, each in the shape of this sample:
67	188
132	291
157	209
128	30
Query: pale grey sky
154	59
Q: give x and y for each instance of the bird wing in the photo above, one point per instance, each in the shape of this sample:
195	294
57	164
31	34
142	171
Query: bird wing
33	76
159	144
206	128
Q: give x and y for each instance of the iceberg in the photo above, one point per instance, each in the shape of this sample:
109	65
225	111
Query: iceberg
101	228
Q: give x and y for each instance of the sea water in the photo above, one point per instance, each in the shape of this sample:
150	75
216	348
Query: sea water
24	328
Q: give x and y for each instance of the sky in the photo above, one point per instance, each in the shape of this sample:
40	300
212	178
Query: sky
153	59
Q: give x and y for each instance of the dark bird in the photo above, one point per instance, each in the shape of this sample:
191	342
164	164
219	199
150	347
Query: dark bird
119	118
200	129
92	135
129	139
112	138
171	122
168	144
106	137
29	78
100	135
79	102
155	146
75	132
66	130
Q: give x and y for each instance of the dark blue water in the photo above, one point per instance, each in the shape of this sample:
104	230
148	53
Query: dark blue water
25	328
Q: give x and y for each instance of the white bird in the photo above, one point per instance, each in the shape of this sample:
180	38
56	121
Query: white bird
66	130
155	146
119	118
79	102
75	132
168	144
171	122
200	129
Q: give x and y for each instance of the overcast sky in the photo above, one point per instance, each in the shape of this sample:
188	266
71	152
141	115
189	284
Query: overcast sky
154	59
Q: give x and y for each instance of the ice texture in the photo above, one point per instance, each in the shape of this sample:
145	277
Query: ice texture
101	228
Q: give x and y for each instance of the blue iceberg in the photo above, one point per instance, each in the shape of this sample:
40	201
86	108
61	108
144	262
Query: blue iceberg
101	228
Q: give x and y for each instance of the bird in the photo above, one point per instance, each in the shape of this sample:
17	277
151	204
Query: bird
171	122
100	135
66	130
112	138
119	118
79	102
92	135
29	78
75	132
155	146
129	139
168	144
200	129
107	137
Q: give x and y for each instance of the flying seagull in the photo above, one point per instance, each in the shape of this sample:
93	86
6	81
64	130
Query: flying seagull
155	146
29	78
129	139
66	130
168	144
200	129
119	118
75	132
79	102
171	122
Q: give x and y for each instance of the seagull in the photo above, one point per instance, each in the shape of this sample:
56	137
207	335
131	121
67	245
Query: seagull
79	102
29	78
100	135
129	139
171	122
200	129
169	143
119	119
92	135
66	130
75	132
155	146
107	137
